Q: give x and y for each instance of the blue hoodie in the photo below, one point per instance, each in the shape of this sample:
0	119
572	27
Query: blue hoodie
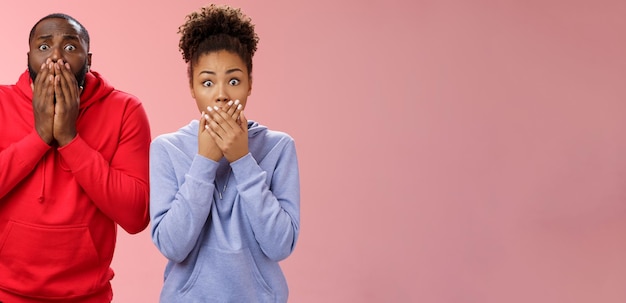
224	228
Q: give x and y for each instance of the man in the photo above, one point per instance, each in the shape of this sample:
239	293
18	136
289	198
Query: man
73	164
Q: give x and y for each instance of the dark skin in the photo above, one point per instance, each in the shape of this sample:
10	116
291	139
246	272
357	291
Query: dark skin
58	54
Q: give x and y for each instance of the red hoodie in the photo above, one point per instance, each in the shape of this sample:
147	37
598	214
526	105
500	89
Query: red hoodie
59	206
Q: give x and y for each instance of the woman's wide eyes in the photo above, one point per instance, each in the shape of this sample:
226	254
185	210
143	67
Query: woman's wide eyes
232	82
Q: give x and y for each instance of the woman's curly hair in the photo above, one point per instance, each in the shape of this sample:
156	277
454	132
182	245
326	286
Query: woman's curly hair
214	28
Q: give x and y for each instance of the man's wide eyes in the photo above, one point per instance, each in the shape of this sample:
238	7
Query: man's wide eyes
68	47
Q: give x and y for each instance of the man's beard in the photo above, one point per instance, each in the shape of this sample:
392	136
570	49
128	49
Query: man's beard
80	77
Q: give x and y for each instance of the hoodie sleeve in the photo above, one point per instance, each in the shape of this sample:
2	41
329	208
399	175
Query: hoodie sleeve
273	211
19	159
119	187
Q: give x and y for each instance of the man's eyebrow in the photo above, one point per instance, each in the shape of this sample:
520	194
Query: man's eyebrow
65	37
71	37
43	37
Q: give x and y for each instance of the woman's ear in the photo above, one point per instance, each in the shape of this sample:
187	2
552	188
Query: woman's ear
190	76
250	87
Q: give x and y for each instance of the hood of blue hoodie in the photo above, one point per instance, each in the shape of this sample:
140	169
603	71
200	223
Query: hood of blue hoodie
95	89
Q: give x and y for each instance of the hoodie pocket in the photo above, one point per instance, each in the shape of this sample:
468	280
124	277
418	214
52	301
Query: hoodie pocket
48	261
227	276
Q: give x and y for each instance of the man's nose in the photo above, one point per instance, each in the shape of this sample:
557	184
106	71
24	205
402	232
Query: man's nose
56	54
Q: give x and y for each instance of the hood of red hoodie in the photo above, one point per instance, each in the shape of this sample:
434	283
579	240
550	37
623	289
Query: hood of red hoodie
95	89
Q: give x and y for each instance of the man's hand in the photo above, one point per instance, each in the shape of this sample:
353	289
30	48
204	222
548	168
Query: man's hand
66	109
43	101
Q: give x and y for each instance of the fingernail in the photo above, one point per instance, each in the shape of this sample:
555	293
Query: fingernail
239	106
230	103
209	108
206	117
237	101
216	108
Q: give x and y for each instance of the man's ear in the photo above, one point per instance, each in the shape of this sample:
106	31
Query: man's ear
88	62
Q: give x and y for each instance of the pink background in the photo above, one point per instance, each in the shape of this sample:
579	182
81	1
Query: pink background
449	151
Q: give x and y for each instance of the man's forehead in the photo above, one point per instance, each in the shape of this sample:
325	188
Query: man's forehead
57	26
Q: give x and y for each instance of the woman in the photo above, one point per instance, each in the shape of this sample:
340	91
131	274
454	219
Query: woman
225	192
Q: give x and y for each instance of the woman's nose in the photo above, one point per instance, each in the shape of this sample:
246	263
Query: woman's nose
222	95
